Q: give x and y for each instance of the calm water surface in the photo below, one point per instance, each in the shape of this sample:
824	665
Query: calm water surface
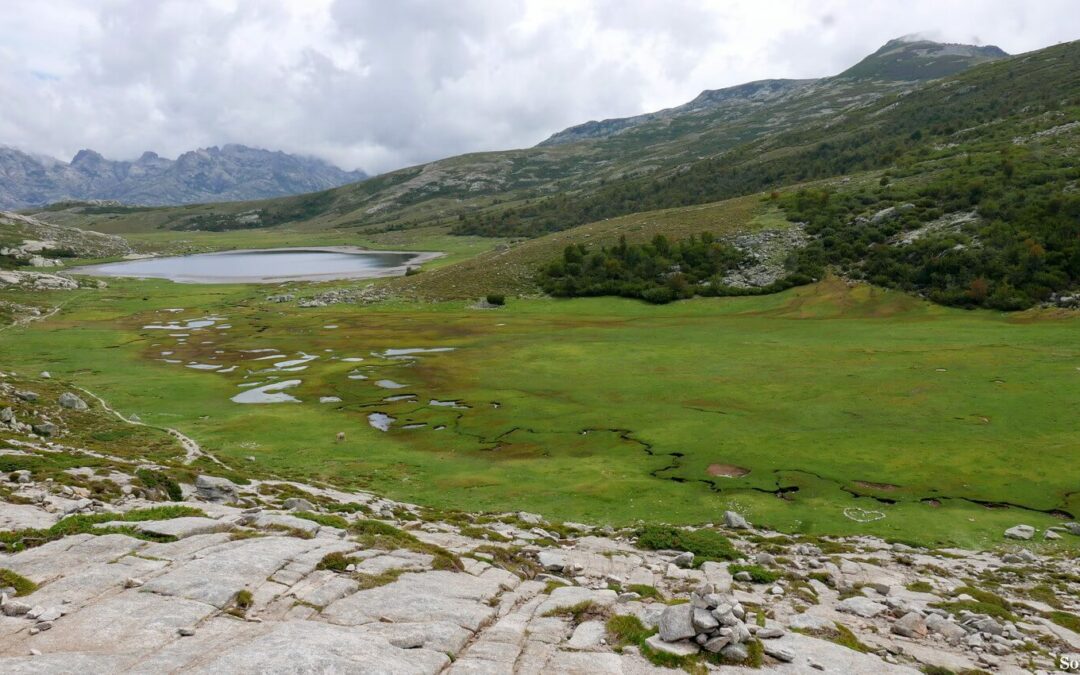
269	265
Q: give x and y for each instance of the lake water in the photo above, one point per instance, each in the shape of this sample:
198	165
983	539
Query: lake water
262	266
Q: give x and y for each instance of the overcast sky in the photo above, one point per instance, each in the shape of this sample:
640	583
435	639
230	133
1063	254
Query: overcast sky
381	84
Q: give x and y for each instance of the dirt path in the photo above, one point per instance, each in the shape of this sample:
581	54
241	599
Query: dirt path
26	320
192	450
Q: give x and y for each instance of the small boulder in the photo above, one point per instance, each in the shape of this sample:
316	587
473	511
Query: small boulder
735	521
949	630
680	648
704	621
861	606
1073	528
298	504
779	653
735	653
44	429
214	489
15	608
677	623
716	644
911	625
552	560
1020	532
684	559
72	402
7	415
28	396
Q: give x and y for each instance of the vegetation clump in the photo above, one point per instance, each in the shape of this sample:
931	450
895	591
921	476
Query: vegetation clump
159	481
18	540
758	574
704	544
657	272
21	584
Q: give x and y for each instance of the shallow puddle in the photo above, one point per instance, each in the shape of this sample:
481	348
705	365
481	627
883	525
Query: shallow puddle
268	393
380	421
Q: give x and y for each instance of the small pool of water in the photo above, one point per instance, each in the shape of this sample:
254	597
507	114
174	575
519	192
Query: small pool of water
263	265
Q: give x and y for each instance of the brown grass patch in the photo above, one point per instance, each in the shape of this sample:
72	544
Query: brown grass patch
726	470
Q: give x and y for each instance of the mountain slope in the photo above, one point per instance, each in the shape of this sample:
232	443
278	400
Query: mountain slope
230	173
444	191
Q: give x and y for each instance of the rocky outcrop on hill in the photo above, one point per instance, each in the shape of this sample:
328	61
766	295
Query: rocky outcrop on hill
36	243
229	173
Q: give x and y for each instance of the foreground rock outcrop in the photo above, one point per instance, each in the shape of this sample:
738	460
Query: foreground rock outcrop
363	584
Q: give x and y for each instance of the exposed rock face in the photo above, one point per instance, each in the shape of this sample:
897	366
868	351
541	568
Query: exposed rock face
230	173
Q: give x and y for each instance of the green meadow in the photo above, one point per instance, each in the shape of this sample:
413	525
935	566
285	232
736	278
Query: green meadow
826	409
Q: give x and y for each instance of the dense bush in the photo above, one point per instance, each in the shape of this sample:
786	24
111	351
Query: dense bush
657	272
999	233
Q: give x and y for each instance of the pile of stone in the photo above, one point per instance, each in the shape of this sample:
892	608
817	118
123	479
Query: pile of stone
716	623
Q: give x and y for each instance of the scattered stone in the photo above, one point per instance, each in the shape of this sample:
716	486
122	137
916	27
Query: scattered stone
677	623
779	653
736	653
684	559
72	402
298	504
861	606
1020	532
911	625
214	489
45	429
185	632
680	648
552	560
735	521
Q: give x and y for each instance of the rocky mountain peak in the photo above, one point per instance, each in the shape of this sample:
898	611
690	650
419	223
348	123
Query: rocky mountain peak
915	58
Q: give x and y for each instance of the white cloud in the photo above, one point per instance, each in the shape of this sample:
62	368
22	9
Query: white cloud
379	85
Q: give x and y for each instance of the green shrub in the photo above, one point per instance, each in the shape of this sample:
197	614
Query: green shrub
156	480
758	574
336	561
1065	620
646	591
704	544
324	519
21	584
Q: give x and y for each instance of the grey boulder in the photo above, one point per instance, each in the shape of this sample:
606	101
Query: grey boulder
72	402
677	623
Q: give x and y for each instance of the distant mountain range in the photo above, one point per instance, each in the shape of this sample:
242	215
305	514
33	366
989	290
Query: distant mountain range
229	173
